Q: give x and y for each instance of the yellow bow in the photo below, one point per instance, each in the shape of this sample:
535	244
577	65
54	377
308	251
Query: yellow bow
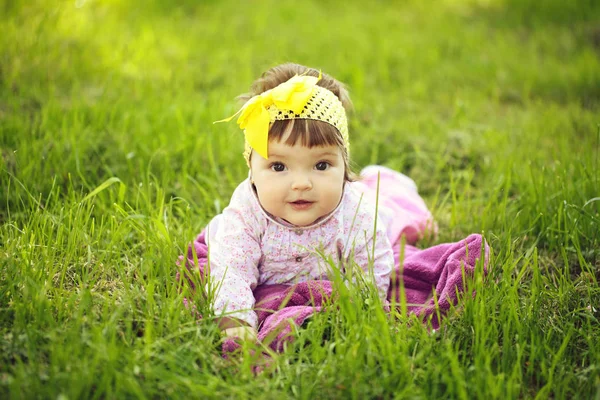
255	119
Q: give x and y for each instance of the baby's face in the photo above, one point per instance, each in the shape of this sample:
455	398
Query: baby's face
297	183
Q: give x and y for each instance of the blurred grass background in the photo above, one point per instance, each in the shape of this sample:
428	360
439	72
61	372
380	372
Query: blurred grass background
110	165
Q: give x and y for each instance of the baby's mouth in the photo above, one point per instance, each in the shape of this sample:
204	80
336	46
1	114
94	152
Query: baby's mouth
301	204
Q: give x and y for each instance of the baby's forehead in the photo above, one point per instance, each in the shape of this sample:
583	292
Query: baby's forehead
306	131
280	148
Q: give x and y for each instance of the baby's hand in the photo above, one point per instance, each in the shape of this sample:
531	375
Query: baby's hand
241	332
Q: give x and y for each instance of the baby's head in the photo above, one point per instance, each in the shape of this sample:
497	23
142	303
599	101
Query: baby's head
297	144
309	132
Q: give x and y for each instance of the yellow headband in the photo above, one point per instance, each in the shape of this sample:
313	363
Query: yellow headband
298	98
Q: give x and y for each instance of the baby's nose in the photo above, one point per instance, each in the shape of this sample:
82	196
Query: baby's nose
301	182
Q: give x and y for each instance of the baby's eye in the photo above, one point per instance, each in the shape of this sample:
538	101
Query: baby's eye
322	166
278	167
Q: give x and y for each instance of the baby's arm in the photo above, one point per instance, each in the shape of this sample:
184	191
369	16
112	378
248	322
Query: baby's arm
234	254
234	257
377	248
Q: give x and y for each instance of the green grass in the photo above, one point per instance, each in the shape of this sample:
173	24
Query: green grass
110	165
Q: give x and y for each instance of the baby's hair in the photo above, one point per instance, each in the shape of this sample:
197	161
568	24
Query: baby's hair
309	132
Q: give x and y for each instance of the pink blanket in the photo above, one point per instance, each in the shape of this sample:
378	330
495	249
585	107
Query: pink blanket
438	269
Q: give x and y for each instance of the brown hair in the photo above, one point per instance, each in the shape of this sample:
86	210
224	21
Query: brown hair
309	132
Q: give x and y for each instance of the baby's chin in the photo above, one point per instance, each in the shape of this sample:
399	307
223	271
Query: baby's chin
301	223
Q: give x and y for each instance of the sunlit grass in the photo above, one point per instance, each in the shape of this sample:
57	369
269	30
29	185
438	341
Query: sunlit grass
110	165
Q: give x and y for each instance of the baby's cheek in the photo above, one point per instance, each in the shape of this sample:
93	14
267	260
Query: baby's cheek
334	197
267	198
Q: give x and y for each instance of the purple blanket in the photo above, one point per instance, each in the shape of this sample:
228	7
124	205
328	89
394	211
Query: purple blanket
438	269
